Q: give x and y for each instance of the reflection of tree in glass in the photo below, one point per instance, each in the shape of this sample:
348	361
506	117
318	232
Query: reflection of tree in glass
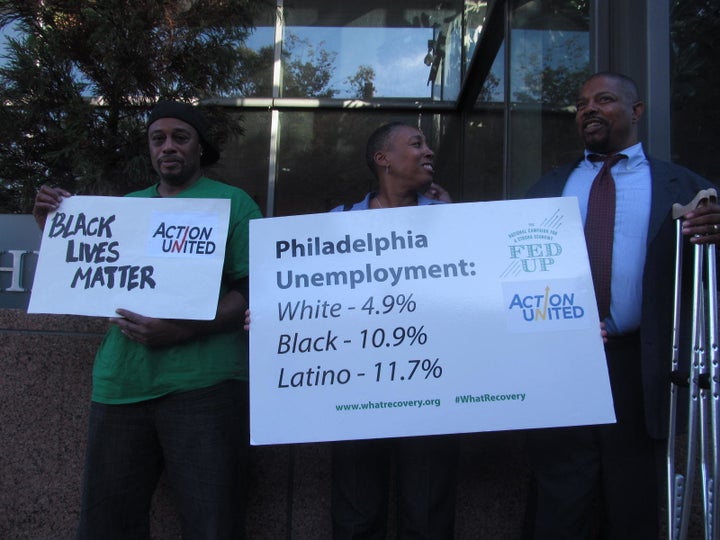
307	68
361	84
558	31
489	88
126	53
557	83
554	87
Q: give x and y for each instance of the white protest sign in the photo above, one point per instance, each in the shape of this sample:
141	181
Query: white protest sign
423	320
160	257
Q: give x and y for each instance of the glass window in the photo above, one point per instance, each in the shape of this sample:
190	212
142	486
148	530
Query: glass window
493	89
475	13
484	137
695	79
322	157
245	159
372	49
549	58
258	57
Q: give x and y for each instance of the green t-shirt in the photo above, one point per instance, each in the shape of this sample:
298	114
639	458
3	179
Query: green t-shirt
127	372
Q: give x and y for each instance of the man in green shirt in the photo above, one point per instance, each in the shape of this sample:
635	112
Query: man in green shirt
172	394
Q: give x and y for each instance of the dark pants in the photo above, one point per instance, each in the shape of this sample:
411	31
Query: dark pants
612	468
199	438
426	474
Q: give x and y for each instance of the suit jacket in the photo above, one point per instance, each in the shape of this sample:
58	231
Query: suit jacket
670	184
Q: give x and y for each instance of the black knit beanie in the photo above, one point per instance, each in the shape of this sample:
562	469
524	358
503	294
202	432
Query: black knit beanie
190	114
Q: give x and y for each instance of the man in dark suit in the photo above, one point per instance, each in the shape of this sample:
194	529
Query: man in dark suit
617	465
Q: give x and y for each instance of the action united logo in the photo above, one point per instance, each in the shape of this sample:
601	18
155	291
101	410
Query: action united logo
184	235
549	306
538	306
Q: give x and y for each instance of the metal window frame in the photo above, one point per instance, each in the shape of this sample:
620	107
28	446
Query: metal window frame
614	29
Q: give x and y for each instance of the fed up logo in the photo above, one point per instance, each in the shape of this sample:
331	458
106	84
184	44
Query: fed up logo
534	248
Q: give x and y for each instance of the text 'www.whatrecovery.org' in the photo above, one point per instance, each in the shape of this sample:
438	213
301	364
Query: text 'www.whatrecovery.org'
372	405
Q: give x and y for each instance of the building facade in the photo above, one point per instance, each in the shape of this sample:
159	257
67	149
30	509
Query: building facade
491	83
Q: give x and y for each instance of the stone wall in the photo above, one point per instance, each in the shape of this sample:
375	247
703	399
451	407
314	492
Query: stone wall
44	392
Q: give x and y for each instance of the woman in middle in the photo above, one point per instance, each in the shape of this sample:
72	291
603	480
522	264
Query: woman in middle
425	467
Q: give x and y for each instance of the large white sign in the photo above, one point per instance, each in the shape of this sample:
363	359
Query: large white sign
160	257
424	320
